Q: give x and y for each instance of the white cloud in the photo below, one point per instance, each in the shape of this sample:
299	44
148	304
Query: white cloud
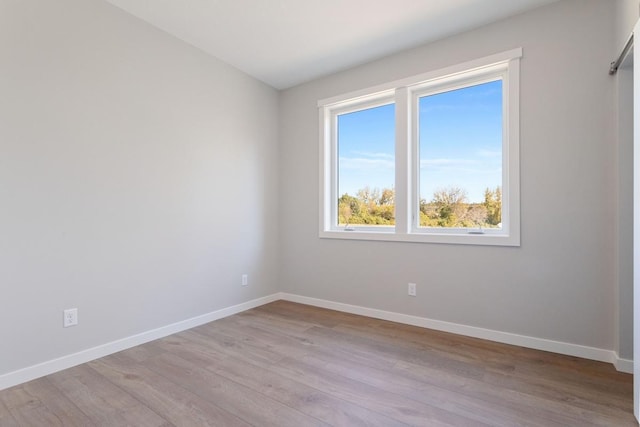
446	162
450	165
374	155
364	164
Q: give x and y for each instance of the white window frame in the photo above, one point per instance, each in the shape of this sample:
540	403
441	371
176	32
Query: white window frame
405	93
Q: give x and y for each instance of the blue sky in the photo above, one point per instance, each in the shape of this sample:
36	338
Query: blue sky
460	143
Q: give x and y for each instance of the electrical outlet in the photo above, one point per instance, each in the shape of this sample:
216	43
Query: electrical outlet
245	279
412	289
70	317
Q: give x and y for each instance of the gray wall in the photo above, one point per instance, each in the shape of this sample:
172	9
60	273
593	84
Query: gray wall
137	179
626	15
560	283
624	271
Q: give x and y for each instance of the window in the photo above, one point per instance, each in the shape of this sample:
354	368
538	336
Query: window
365	147
432	158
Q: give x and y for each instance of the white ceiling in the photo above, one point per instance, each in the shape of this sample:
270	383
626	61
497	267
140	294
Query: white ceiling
287	42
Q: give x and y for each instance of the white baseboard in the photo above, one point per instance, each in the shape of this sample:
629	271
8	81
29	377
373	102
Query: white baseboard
49	367
623	365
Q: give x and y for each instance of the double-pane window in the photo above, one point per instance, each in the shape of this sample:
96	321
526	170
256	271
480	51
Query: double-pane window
432	158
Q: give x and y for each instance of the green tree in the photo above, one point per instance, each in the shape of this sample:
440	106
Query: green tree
450	204
448	207
387	197
368	207
349	210
493	204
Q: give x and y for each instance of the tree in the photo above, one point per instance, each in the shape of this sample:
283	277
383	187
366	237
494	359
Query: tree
369	206
476	216
493	204
449	196
348	207
450	205
388	197
366	195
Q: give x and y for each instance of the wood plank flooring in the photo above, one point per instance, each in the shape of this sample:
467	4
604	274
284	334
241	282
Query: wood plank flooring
287	364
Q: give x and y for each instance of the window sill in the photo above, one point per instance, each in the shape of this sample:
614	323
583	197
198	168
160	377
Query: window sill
442	238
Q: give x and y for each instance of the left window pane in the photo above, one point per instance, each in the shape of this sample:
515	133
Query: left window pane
366	167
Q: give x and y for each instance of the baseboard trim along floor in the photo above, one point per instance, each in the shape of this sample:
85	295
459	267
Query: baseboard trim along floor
36	371
49	367
601	355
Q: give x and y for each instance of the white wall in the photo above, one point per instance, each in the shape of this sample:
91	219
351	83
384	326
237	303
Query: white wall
559	284
137	179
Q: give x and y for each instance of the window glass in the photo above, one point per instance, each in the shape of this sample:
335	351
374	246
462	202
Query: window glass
460	154
366	166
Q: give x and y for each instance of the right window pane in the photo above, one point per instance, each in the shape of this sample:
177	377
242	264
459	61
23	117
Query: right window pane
460	134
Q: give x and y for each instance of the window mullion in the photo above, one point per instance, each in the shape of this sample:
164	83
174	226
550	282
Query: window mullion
403	179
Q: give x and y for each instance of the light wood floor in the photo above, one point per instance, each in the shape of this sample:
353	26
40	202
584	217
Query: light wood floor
286	364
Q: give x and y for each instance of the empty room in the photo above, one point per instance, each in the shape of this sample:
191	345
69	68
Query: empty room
332	213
